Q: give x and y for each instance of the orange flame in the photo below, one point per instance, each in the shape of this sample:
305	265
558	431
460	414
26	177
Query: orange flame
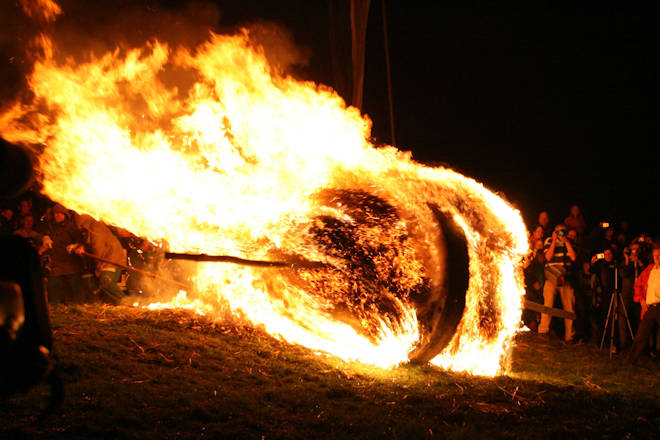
210	150
46	10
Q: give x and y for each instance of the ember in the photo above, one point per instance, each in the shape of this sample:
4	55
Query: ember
419	263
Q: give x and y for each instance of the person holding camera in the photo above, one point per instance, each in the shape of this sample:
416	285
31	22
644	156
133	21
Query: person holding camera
604	268
632	267
647	293
559	256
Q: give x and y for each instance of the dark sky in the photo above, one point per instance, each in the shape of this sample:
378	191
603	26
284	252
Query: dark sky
549	105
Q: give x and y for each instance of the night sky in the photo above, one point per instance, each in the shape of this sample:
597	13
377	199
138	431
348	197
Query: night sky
549	106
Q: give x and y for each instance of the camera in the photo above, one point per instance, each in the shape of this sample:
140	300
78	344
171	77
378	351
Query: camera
604	225
600	256
561	232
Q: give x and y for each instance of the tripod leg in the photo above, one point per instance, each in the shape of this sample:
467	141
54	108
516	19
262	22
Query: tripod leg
625	315
615	315
607	321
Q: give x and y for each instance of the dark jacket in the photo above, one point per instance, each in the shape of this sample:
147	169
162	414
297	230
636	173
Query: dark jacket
61	261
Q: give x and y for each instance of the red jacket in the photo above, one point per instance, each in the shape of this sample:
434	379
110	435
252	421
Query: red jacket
642	283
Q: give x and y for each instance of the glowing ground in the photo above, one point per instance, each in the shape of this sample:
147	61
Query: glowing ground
134	373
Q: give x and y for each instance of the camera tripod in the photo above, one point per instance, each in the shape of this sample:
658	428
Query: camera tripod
613	314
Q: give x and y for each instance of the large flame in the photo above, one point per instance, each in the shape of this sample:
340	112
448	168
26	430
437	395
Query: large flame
211	150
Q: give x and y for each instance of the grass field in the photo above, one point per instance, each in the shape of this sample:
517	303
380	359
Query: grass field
133	373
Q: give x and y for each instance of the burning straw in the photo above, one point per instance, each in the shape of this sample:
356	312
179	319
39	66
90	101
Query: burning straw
209	149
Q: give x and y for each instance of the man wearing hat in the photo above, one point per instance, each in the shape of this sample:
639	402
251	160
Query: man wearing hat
103	243
65	284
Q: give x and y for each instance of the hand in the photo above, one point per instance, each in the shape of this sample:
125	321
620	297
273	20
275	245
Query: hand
47	242
75	248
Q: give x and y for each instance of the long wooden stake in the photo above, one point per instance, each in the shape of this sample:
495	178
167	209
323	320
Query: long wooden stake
296	264
559	313
530	305
140	271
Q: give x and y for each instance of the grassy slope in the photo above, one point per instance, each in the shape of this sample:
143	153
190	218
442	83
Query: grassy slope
140	374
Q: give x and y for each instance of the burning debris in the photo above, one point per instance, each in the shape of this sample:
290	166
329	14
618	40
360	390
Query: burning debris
209	150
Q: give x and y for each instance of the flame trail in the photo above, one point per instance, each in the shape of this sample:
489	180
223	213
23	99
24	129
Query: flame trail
211	150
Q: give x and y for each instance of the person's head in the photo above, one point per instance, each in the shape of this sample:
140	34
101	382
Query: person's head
537	233
609	255
60	213
656	255
621	238
27	222
634	250
561	227
572	235
609	233
7	213
544	219
575	211
538	245
25	206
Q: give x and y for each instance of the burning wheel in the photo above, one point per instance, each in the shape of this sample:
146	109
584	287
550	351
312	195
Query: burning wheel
379	269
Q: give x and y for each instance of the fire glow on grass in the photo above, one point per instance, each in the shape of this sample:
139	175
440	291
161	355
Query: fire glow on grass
211	150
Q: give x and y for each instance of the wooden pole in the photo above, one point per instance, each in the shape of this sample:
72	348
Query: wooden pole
559	313
297	264
139	271
389	74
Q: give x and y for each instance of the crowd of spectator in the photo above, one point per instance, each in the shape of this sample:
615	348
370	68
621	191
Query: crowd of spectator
74	248
598	273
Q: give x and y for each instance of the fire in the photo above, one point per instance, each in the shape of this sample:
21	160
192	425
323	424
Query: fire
211	150
46	10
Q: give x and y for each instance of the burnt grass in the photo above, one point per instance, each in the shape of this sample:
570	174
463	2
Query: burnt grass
133	373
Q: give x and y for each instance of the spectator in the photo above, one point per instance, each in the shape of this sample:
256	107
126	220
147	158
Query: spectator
624	229
25	207
573	236
534	280
7	221
26	231
575	220
544	222
604	271
585	323
647	293
103	243
631	269
536	235
572	274
602	238
643	242
559	256
64	283
141	255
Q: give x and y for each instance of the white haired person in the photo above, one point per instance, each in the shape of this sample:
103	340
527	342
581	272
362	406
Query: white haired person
647	293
